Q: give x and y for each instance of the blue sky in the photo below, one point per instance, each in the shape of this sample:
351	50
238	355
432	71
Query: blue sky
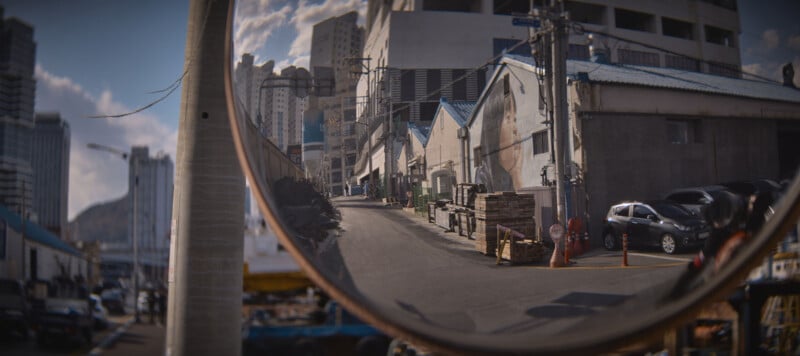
104	57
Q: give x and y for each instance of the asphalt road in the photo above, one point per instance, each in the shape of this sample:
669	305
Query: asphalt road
413	269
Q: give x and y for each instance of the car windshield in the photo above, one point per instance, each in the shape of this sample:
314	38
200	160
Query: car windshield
672	211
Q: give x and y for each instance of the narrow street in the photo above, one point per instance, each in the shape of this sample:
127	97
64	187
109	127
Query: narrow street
413	267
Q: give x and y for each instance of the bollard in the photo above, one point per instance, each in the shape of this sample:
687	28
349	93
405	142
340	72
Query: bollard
586	245
625	250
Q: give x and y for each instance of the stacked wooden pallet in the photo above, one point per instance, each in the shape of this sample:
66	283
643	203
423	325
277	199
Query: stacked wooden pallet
523	251
515	211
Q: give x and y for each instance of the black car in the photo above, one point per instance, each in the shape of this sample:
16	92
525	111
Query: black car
659	223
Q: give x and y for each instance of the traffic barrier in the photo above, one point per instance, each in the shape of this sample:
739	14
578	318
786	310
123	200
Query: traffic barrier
625	250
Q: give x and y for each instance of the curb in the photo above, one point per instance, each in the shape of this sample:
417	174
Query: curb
109	340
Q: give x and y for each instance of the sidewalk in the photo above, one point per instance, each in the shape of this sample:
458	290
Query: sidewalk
134	339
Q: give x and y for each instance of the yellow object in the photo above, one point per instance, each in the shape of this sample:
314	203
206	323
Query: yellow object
274	281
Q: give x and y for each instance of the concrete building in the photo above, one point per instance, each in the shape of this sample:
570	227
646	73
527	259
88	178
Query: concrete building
637	133
153	211
333	41
444	150
422	47
51	142
270	100
17	91
29	252
411	161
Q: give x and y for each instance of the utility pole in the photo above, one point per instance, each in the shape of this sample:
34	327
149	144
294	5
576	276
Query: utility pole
550	23
206	248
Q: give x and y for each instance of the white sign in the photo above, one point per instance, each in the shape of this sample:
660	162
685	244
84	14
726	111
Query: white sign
556	232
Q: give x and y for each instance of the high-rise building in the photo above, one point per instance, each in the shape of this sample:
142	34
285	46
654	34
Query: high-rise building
270	100
334	43
17	91
153	196
50	162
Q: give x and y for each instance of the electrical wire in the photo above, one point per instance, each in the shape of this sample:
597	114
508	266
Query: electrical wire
581	30
169	89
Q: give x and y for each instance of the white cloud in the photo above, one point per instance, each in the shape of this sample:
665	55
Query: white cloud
97	176
309	14
770	39
793	42
254	23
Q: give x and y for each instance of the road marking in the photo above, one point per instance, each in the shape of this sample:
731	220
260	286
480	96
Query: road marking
668	258
97	351
566	268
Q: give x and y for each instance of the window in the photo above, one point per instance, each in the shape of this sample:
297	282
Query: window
676	28
719	36
640	58
350	159
580	52
434	81
407	85
540	144
586	13
506	84
459	86
633	20
641	211
681	62
427	110
336	163
684	131
724	69
508	7
476	154
456	6
727	4
622	210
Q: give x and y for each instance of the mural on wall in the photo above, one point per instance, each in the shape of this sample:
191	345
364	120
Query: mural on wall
501	157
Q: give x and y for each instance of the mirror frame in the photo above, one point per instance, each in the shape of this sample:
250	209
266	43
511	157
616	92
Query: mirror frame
647	327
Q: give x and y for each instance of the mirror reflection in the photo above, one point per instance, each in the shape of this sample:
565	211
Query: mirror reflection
499	173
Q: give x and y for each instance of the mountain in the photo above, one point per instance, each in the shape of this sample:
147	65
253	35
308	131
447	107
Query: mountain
106	222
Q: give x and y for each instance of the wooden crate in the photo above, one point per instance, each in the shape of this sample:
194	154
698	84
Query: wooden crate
523	251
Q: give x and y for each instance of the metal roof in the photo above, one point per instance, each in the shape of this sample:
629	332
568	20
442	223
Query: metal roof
668	78
459	110
35	232
420	131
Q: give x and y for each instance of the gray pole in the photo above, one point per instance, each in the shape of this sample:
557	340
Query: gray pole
561	117
370	117
135	240
206	252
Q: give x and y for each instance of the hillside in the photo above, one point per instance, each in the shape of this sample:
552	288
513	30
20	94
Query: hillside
106	222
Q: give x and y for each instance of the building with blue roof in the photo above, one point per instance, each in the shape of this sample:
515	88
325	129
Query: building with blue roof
444	150
28	251
636	133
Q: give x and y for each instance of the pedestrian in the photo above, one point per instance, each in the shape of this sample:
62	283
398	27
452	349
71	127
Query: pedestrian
151	305
162	305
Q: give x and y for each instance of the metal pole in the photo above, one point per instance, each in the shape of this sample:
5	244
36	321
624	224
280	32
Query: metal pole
560	40
370	117
206	248
135	240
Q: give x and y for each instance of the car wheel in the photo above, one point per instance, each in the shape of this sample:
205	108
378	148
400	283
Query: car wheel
668	244
610	241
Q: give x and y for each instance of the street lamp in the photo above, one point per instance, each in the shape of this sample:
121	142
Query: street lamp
126	156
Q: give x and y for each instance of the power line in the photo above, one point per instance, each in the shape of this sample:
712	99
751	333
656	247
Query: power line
578	27
169	89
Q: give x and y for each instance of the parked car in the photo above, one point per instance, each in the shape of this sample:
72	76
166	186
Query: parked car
694	198
99	312
750	187
661	223
14	309
113	300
